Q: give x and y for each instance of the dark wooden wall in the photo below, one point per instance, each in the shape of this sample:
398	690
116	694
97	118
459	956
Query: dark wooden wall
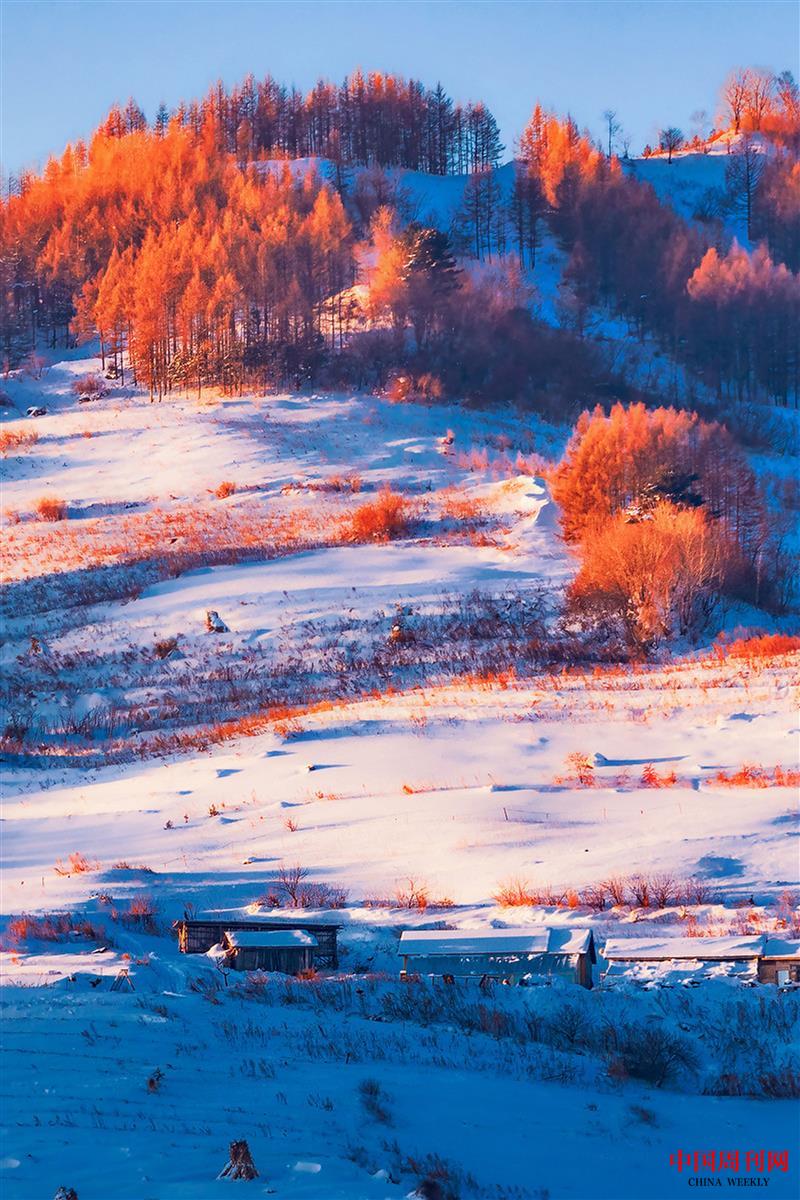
198	936
288	960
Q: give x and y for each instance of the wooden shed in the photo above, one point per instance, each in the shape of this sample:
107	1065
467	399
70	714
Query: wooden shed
288	951
667	961
510	955
780	962
198	935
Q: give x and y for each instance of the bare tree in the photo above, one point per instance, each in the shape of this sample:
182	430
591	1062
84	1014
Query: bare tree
291	879
700	124
759	97
734	93
788	95
743	174
526	207
670	139
613	126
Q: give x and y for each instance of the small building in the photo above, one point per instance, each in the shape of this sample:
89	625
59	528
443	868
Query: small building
288	951
198	935
667	961
780	962
510	955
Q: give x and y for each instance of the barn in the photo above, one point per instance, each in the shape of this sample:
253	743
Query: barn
667	961
510	955
198	935
288	951
780	962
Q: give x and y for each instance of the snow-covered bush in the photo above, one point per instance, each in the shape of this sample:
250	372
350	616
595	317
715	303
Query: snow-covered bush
90	387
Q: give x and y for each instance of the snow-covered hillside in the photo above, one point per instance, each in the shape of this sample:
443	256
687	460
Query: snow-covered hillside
358	717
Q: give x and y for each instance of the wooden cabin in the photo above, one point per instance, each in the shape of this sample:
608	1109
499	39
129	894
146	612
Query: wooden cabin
780	962
288	951
198	935
509	955
667	961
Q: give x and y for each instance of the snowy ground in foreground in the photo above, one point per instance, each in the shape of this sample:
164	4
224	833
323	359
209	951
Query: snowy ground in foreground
457	786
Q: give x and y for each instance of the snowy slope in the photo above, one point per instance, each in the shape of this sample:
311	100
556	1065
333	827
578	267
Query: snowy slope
412	768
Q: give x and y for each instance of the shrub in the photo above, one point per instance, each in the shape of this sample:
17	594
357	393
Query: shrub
34	365
342	483
141	911
322	895
594	897
225	489
640	890
697	891
374	1100
77	864
780	1085
651	778
458	507
15	439
634	457
429	387
514	892
50	508
570	1026
652	579
240	1163
399	388
647	1052
663	890
413	894
154	1081
51	927
580	770
752	649
380	519
165	646
290	879
617	889
90	387
755	776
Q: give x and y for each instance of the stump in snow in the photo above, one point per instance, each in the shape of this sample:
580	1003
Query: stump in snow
64	1193
215	623
240	1163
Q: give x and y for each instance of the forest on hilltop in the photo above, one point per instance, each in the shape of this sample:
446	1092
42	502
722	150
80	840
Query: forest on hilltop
200	260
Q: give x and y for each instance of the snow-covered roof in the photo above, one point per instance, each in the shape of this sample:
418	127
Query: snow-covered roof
676	973
699	949
276	939
781	948
494	941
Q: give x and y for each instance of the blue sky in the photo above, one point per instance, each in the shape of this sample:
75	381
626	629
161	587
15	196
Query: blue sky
64	62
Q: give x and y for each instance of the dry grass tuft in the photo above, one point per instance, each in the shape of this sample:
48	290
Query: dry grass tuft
50	508
381	519
77	864
17	439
